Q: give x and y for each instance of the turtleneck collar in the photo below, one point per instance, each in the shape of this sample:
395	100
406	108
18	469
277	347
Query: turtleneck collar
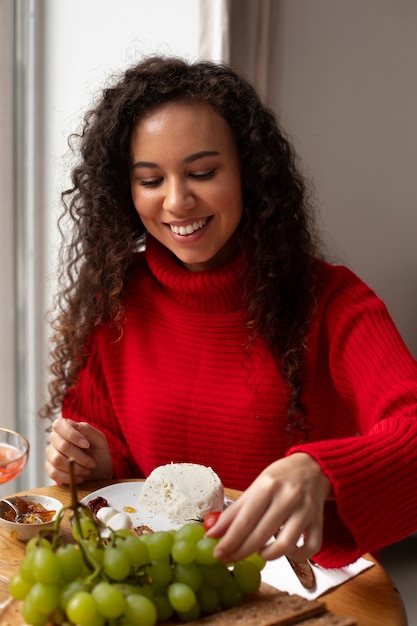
220	289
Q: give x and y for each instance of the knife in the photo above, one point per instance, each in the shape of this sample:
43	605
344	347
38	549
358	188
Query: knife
304	573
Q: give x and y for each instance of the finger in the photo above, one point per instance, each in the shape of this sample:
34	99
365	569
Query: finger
238	542
264	512
62	464
238	521
60	450
225	519
313	538
293	542
59	476
58	463
94	436
70	431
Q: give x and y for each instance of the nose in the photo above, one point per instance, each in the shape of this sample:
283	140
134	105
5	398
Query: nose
178	196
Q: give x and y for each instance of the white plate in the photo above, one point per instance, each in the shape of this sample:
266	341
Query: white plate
126	494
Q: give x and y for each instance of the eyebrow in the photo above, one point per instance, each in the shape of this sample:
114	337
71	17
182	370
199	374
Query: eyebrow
188	159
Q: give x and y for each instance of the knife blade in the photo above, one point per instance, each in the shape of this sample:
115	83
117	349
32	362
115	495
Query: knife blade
304	573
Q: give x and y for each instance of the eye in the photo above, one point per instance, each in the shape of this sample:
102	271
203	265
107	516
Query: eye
203	175
150	182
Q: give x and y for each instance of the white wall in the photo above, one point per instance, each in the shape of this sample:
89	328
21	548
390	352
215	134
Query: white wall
346	84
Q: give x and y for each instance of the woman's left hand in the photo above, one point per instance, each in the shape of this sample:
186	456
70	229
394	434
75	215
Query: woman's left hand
285	501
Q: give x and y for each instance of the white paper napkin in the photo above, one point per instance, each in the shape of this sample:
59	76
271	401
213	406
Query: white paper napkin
279	574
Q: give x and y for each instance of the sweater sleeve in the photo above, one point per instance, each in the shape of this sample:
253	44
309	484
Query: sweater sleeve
90	402
374	471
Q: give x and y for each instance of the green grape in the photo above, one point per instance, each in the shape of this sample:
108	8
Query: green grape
71	561
82	608
157	589
43	598
97	620
116	564
18	587
37	542
69	590
190	532
205	551
140	610
32	617
159	545
110	600
257	560
46	567
191	615
94	553
247	576
183	551
145	537
160	572
87	525
188	574
127	589
181	597
215	575
163	607
122	533
144	590
230	595
136	550
208	598
26	568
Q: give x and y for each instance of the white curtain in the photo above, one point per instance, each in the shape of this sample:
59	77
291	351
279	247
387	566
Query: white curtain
242	34
7	311
23	281
214	30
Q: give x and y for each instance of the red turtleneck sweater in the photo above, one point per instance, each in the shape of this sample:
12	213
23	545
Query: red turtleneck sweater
180	385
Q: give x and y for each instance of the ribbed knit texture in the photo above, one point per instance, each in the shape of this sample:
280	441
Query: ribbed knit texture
182	385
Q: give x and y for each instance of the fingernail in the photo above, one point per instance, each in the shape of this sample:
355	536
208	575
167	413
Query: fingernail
83	443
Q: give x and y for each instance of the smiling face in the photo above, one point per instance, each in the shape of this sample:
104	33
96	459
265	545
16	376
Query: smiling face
186	184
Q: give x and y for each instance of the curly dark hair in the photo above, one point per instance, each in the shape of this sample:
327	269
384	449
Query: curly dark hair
276	230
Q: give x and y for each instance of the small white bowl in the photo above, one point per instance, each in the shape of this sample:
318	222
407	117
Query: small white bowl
24	532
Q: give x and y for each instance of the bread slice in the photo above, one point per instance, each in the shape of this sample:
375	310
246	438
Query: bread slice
273	608
278	609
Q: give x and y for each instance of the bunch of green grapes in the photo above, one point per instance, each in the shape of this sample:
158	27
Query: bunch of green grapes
126	580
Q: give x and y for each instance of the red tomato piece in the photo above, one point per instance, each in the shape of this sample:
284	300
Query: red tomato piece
210	519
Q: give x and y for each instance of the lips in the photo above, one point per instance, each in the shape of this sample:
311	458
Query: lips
190	228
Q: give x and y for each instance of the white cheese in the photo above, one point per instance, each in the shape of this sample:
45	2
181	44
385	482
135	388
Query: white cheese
182	492
120	521
105	514
114	519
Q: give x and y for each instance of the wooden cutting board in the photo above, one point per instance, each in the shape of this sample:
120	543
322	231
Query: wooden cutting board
269	607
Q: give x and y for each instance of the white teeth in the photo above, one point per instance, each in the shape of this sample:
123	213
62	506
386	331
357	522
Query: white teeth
190	228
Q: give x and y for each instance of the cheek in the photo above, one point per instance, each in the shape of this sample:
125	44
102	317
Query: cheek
144	205
231	204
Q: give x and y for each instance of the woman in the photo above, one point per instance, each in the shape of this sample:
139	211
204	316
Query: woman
197	323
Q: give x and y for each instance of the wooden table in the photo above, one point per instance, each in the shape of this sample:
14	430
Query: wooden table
371	597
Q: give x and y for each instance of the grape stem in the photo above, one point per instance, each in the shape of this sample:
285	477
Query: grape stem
75	506
74	498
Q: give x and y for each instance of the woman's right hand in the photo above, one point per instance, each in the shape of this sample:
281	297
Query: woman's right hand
88	447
